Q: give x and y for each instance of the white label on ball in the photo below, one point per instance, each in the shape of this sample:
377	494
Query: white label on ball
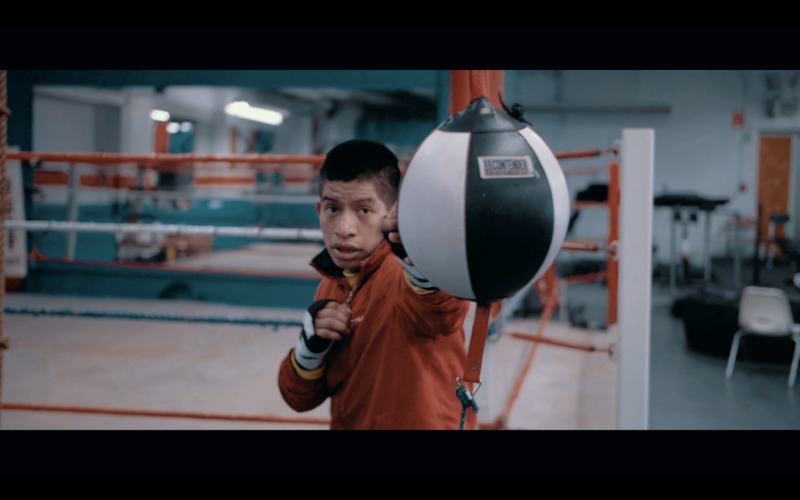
496	167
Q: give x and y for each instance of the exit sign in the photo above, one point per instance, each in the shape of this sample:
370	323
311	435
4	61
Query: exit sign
738	119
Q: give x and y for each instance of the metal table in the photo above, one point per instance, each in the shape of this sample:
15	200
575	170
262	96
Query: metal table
679	203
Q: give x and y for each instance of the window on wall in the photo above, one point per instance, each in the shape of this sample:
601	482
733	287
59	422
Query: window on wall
181	136
181	141
263	142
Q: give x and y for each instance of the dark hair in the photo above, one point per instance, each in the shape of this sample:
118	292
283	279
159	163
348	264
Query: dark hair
363	160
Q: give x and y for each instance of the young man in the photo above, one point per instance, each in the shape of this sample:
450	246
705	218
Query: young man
381	341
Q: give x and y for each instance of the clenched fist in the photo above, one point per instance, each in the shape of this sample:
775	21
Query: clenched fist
390	228
333	321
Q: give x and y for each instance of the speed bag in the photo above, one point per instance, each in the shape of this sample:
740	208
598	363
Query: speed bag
484	206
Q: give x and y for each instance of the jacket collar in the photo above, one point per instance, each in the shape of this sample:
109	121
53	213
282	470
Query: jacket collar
324	264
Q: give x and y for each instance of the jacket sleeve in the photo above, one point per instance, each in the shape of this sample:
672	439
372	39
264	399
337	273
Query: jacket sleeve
302	389
430	311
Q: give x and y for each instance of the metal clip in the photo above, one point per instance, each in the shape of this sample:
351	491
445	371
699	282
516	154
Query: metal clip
612	352
470	396
613	250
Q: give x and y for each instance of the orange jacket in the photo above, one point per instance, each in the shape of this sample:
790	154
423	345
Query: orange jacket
398	367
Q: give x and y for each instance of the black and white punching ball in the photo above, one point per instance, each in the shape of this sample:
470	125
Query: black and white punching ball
484	205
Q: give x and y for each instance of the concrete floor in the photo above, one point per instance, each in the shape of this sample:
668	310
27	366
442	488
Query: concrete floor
233	369
688	390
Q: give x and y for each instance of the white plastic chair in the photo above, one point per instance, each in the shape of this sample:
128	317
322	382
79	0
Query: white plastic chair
766	311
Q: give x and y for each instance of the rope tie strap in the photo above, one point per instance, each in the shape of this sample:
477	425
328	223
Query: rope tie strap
5	343
612	352
4	111
613	250
515	111
467	400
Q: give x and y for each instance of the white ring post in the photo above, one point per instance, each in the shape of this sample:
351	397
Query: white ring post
72	209
635	277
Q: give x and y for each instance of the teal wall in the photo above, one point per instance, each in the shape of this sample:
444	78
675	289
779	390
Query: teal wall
88	246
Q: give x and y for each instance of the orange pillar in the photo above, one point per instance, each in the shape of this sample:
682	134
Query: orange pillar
161	139
612	265
496	81
461	88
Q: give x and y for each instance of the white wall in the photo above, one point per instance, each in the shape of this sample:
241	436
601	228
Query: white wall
697	149
108	135
137	127
340	128
76	119
61	125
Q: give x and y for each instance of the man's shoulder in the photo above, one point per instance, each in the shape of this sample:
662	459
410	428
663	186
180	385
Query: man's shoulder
392	263
390	269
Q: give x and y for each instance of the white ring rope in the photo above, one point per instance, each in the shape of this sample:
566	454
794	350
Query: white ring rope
167	229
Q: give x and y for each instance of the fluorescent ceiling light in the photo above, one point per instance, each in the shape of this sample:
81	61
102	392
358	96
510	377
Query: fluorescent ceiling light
173	128
159	116
244	110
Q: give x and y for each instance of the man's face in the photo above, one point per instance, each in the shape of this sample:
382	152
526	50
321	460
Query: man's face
350	214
